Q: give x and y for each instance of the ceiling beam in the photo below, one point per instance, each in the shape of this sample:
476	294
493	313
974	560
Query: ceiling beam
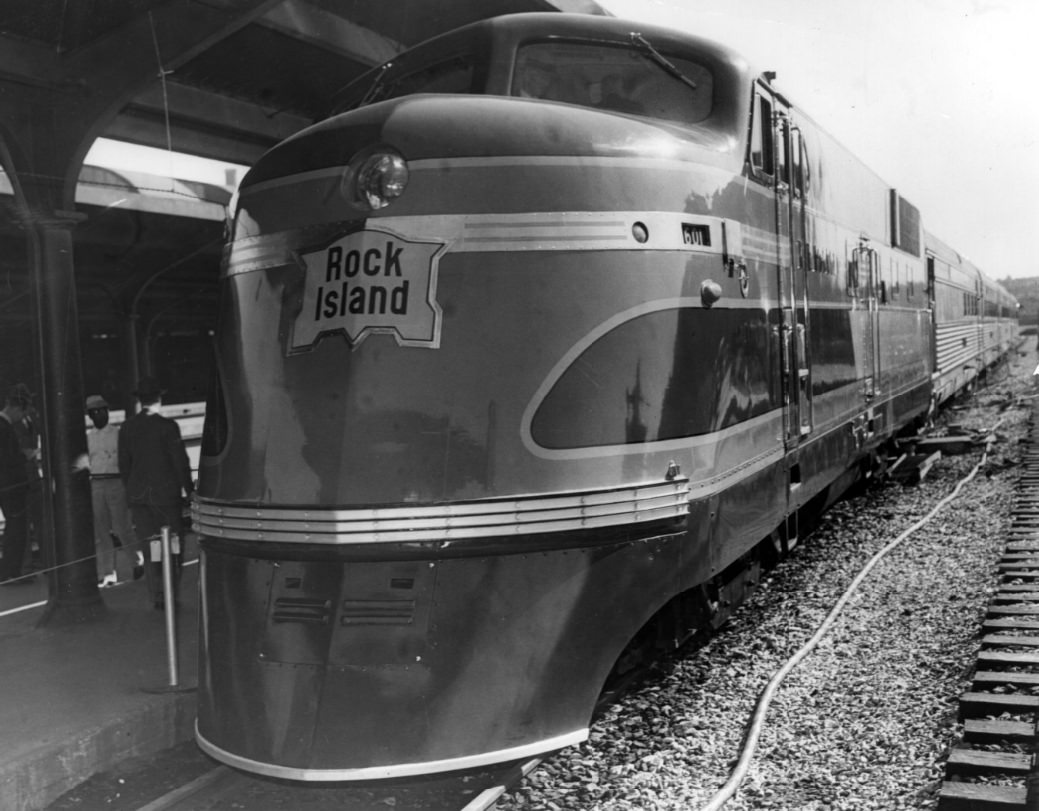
338	35
138	127
203	123
27	63
163	39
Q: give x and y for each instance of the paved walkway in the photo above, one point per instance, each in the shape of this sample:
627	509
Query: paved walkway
78	700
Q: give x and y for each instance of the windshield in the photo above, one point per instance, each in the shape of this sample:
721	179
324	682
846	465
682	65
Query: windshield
609	77
451	75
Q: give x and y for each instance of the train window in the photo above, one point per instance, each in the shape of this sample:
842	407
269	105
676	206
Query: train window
623	80
783	153
803	176
761	149
797	161
453	75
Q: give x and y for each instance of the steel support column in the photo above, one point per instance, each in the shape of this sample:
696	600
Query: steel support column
74	595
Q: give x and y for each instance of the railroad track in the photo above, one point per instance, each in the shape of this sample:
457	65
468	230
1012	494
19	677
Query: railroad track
994	767
223	788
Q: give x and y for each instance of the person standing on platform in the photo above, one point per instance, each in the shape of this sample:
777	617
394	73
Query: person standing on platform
14	486
157	474
28	435
108	497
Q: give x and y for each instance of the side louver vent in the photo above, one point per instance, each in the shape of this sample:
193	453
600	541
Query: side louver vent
377	612
308	611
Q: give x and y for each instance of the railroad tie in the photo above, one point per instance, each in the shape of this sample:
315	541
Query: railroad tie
994	765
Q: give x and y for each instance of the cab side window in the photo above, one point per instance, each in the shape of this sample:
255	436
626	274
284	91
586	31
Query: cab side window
797	155
762	151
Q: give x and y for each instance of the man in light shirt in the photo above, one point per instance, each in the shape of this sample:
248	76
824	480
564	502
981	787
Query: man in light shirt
108	496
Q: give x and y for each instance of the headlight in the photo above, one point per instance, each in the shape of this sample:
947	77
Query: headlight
375	179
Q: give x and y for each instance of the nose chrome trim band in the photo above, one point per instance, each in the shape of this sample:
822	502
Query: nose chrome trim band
565	512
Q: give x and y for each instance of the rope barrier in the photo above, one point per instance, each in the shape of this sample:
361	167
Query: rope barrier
48	569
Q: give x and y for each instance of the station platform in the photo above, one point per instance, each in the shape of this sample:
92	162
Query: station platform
78	700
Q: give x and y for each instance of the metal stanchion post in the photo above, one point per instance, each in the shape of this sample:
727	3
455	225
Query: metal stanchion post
167	596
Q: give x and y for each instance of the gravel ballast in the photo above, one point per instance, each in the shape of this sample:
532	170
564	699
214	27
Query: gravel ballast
866	720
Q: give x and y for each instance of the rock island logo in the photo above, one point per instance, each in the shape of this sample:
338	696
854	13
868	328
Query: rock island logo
370	281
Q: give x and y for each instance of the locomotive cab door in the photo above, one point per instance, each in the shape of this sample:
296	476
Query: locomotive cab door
791	188
867	294
790	182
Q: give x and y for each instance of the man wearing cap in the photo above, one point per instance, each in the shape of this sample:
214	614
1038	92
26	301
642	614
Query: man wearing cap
14	486
107	494
155	469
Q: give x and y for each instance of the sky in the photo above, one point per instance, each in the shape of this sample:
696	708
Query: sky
935	96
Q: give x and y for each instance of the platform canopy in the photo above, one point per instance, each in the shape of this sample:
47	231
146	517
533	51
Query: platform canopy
240	75
220	79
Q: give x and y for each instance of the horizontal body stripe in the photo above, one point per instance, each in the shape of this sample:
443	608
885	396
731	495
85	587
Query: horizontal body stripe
332	174
554	231
395	770
566	512
704	488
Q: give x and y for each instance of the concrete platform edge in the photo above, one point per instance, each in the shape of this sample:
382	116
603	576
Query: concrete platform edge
32	782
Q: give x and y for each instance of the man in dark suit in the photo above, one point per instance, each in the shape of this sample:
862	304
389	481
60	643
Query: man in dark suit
155	469
14	486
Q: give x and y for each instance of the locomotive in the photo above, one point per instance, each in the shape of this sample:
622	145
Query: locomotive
532	353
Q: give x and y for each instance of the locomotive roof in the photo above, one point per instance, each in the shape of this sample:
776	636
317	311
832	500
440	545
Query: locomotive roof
537	25
505	32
